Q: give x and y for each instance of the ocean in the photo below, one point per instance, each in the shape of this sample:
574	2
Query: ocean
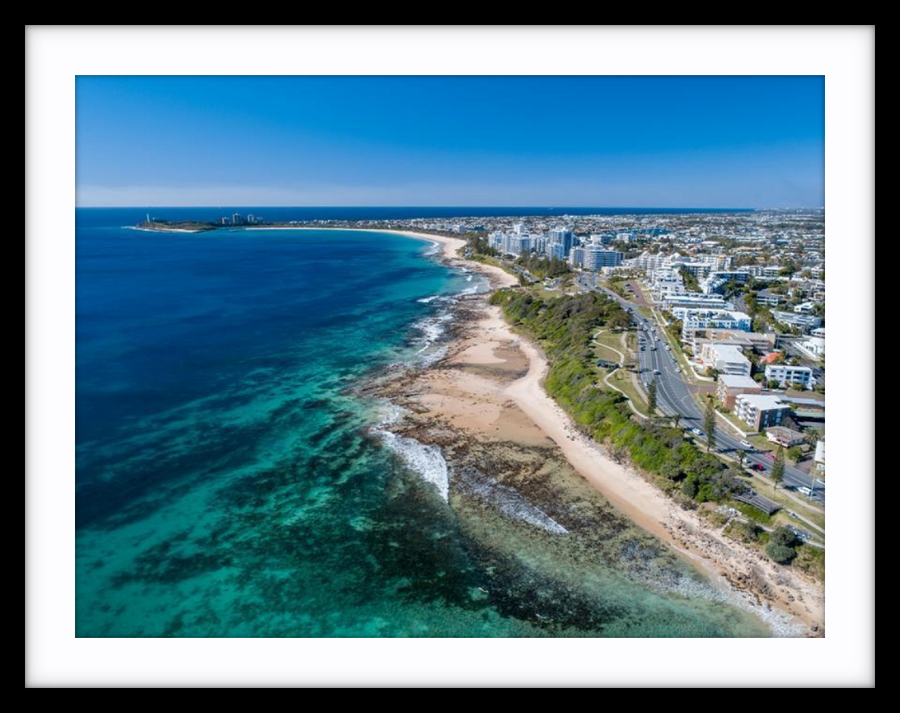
233	479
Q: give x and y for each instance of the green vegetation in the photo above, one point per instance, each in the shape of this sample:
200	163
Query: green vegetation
780	553
777	473
542	267
811	560
480	246
752	513
709	423
691	283
193	226
782	545
795	453
565	326
651	397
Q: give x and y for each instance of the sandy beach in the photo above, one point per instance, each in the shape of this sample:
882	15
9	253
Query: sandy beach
489	388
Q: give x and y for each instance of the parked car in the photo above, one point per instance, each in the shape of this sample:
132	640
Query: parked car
758	466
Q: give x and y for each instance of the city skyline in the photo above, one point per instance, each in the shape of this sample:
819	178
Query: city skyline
716	142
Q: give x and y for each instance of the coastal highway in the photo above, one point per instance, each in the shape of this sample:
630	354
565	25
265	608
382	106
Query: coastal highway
673	397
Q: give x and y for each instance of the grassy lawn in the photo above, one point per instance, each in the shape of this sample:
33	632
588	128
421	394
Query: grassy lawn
622	381
813	514
762	443
735	421
611	340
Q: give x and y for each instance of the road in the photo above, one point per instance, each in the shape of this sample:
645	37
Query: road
673	397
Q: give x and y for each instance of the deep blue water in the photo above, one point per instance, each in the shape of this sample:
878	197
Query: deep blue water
228	481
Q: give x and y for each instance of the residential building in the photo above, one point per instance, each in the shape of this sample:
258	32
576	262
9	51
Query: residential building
804	308
752	341
705	318
784	436
819	458
564	236
576	257
596	257
725	358
760	411
814	347
730	387
790	376
805	322
692	299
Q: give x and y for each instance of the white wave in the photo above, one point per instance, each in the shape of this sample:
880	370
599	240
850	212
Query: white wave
426	300
781	624
426	460
509	502
468	278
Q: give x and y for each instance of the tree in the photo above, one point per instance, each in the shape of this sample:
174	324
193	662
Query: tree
780	553
795	453
783	536
651	397
777	474
709	423
741	454
677	419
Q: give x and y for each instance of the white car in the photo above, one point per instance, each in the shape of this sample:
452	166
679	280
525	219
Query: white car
696	431
804	490
746	444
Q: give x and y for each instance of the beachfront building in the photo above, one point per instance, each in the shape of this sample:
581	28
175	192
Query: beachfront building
760	411
725	358
730	387
790	376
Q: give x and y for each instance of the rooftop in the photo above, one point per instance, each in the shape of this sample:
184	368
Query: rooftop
762	401
737	382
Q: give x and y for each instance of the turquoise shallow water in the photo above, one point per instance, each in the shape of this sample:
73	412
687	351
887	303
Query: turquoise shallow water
228	482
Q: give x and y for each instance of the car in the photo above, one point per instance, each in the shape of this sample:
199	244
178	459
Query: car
746	444
657	371
803	490
758	466
696	431
770	455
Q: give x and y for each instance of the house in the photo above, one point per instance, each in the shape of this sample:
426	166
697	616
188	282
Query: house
784	436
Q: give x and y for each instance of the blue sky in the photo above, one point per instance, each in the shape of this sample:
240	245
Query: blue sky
513	141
